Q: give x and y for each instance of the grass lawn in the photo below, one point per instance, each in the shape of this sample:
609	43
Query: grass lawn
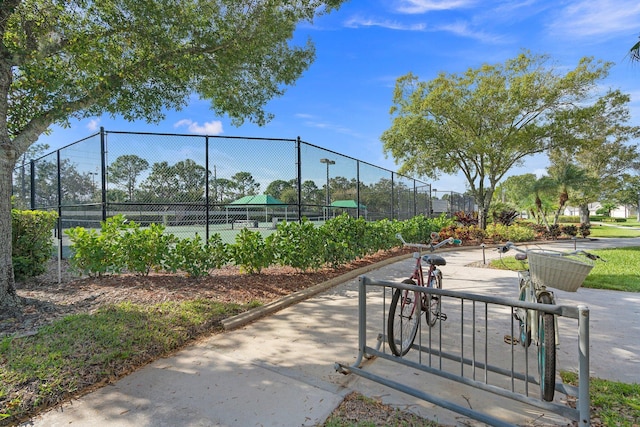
81	350
598	230
618	273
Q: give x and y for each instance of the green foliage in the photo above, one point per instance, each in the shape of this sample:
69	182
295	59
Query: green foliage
570	219
436	126
251	252
613	403
31	241
143	249
197	258
343	239
419	228
513	233
297	245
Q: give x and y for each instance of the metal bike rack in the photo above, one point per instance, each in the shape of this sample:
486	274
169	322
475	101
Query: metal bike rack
434	357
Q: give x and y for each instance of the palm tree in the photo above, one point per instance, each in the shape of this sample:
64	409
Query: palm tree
634	52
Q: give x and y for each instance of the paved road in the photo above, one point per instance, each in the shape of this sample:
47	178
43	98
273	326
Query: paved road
279	370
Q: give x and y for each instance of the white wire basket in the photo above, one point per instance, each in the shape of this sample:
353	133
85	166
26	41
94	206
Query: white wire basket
551	269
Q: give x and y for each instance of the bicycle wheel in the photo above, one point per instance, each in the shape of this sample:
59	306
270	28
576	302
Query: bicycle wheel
546	351
403	320
522	315
432	313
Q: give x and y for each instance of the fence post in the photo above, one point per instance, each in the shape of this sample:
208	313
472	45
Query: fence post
103	165
206	188
299	172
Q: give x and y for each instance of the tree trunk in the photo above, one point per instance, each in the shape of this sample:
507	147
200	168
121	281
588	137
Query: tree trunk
584	214
8	298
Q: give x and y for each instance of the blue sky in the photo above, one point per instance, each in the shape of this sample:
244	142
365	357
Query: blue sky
342	102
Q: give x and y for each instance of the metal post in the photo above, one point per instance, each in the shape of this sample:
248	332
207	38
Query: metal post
103	164
584	403
328	162
299	172
206	188
362	318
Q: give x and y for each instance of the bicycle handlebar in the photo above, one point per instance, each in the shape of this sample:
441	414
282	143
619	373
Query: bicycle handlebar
511	245
431	246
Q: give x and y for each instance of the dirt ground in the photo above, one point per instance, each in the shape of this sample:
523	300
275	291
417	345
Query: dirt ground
59	292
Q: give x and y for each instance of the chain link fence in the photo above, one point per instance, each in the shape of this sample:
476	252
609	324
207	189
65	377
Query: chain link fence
213	184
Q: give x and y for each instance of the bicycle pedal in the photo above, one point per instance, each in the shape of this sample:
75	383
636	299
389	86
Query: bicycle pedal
442	316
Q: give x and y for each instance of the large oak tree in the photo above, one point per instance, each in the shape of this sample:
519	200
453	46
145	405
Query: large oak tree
485	121
65	59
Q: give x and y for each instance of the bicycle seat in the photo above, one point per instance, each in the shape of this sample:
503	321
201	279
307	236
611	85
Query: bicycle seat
434	260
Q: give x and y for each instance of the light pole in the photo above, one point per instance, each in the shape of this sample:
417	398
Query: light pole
328	200
93	182
435	196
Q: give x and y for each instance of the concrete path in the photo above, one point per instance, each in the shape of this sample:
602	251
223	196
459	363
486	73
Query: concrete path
279	370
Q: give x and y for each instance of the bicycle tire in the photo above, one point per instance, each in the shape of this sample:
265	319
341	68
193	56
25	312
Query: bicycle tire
525	332
403	320
433	303
546	351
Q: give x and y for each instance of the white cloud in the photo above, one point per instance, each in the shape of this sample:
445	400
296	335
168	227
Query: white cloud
423	6
208	128
588	18
93	124
357	22
462	29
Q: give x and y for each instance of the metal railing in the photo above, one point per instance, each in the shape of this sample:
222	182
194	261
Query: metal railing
466	351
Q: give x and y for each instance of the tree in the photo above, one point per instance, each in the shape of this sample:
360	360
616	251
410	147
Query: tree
278	187
191	179
599	146
629	192
161	184
223	190
125	170
244	184
76	59
24	176
485	121
634	52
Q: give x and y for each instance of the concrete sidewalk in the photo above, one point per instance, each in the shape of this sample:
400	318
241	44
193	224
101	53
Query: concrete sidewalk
279	370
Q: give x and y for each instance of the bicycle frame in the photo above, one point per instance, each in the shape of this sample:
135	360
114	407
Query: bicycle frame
532	294
418	274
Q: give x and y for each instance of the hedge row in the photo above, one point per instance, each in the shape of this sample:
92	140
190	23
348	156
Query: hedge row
31	241
123	245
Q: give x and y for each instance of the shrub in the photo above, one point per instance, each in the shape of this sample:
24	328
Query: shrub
196	257
505	216
584	230
570	230
342	237
251	252
466	219
297	245
570	219
419	228
144	249
96	253
31	241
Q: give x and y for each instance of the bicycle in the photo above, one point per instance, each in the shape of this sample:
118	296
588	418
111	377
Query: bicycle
553	269
404	302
